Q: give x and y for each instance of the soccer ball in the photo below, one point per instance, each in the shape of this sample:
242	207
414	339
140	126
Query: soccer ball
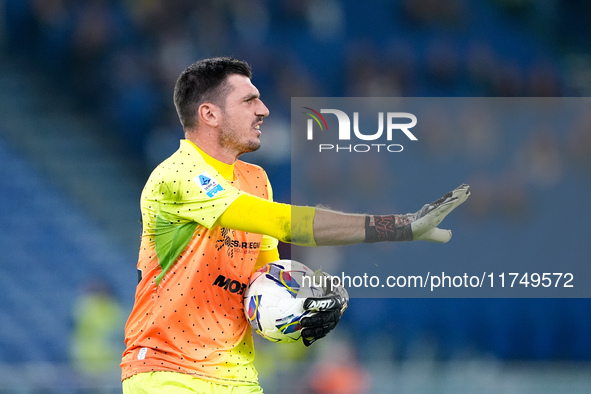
274	299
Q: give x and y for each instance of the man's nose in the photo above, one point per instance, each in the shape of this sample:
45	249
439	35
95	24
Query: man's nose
262	110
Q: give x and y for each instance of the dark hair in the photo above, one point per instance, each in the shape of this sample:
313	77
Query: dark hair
205	81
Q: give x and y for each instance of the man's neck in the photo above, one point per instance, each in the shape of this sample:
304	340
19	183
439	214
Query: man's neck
226	170
213	150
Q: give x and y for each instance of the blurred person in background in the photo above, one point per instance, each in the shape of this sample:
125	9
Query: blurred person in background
98	320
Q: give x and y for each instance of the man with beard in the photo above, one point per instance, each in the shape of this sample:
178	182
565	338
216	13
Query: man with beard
209	221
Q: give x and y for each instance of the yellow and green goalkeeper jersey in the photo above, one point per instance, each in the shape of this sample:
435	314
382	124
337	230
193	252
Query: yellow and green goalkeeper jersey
188	313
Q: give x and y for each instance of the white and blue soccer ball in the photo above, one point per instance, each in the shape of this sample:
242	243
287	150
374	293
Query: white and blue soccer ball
274	299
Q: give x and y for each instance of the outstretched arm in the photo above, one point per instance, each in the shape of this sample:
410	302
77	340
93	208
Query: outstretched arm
310	226
338	228
319	226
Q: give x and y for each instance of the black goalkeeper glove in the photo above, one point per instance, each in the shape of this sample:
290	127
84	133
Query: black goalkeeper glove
328	310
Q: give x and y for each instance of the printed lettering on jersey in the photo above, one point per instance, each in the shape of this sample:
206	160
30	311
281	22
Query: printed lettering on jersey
209	185
231	285
233	245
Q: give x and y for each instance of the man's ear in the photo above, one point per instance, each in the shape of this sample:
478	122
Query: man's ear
210	114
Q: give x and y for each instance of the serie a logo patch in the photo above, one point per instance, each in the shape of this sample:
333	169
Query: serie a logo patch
209	185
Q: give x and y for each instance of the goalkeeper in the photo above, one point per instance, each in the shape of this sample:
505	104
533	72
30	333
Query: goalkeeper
209	221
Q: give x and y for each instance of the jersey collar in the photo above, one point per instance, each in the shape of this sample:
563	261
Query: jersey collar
225	170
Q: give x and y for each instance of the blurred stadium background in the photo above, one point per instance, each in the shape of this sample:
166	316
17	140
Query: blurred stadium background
86	112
